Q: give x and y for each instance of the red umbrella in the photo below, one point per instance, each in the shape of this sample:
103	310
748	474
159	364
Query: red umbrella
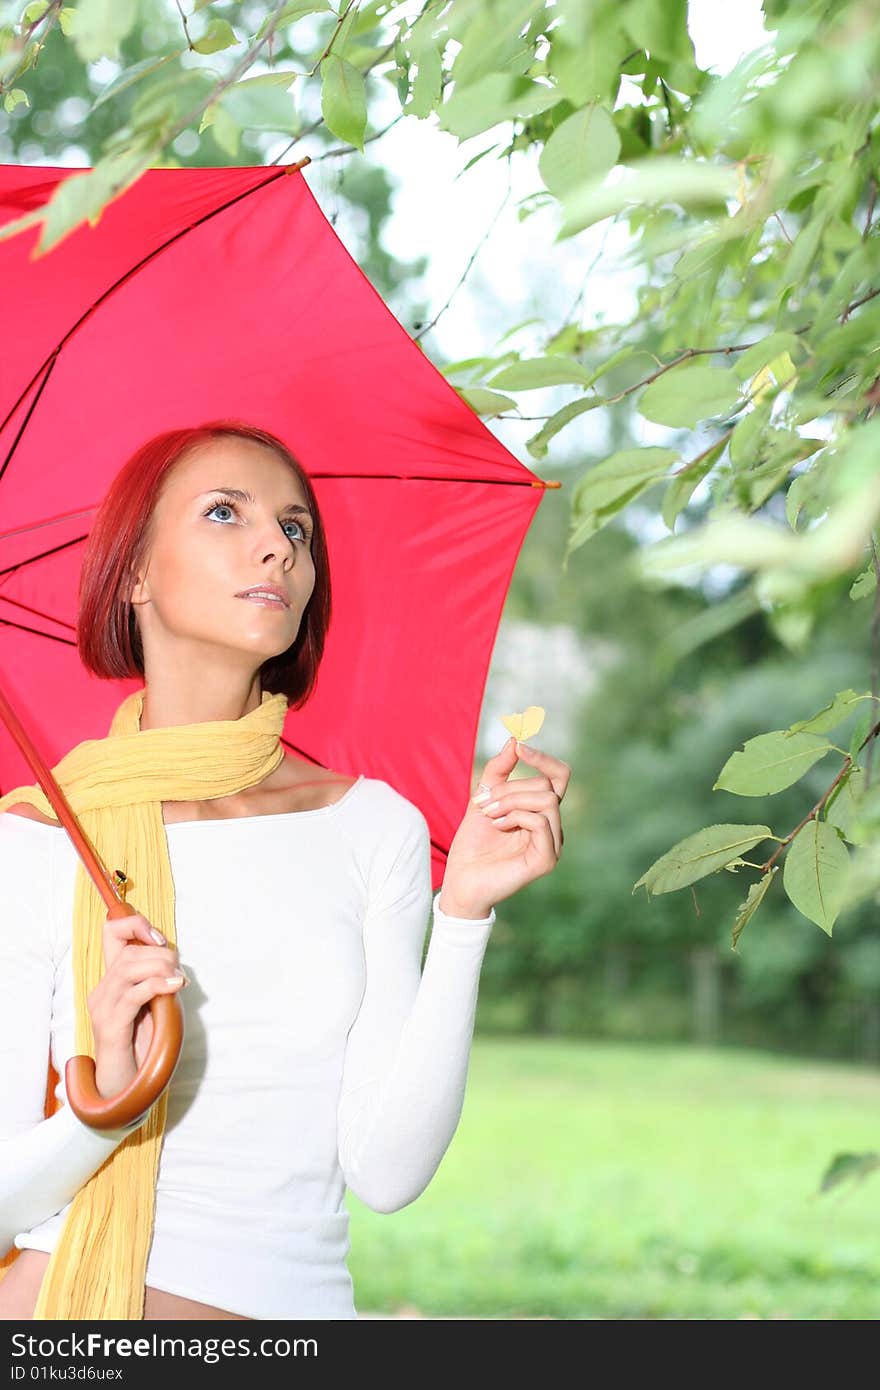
209	292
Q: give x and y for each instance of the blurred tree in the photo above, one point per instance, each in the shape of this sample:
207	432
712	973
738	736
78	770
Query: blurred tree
739	399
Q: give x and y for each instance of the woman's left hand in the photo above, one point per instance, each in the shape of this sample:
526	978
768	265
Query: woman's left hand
491	858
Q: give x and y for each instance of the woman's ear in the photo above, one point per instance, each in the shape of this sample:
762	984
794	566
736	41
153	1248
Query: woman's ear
140	590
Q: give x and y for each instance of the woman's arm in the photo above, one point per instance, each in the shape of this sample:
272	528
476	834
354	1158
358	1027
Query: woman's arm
43	1162
408	1050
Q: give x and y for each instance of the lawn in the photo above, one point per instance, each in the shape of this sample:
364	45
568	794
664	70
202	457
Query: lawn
593	1180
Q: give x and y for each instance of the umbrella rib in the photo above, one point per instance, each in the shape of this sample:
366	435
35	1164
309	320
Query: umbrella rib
37	612
43	555
49	362
46	367
35	631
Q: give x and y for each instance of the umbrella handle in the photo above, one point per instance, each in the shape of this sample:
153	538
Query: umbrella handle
83	1096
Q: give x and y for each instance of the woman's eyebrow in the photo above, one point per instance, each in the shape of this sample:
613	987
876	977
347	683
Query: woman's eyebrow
241	495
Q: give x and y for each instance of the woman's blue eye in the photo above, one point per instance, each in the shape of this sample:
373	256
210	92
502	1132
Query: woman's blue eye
231	507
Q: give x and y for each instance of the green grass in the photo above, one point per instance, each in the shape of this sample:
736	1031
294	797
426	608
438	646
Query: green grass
594	1180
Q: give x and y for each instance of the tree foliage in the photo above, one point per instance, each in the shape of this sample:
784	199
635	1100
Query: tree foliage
749	200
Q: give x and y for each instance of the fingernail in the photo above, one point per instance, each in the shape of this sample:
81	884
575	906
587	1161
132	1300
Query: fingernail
174	979
482	796
525	747
157	936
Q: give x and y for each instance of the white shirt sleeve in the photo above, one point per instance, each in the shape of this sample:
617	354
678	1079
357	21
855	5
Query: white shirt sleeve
407	1053
43	1162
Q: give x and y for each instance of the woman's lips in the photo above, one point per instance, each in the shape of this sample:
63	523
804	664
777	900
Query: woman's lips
266	602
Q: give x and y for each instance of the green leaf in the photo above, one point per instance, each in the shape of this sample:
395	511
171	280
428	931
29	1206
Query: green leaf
163	99
865	584
805	494
708	624
685	480
225	130
661	28
470	110
82	197
618	479
770	762
847	1167
746	910
97	27
816	872
14	98
535	372
491	42
427	86
290	13
855	813
759	354
487	403
344	99
754	543
589	71
863	726
474	157
523	323
263	103
65	17
845	703
686	395
622	355
803	252
657	179
129	76
218	35
585	145
476	366
747	433
537	445
700	854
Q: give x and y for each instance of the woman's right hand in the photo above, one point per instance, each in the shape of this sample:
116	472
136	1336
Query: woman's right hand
119	1005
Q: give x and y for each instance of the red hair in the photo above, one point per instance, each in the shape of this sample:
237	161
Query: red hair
107	635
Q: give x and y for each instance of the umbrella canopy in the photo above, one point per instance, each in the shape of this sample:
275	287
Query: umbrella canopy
213	292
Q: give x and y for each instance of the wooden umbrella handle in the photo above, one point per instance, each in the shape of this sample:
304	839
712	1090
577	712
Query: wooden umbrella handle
130	1104
83	1096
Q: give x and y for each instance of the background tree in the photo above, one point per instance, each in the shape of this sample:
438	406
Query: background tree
738	401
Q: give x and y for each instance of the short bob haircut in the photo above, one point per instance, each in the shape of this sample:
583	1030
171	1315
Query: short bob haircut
107	635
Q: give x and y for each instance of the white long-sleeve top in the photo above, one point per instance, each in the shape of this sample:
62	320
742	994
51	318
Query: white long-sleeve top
318	1053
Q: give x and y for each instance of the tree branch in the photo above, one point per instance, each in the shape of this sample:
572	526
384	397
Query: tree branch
476	251
183	17
20	42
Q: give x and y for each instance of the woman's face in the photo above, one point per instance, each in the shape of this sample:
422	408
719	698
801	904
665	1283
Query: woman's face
203	551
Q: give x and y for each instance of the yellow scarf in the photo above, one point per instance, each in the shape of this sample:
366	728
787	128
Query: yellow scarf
116	786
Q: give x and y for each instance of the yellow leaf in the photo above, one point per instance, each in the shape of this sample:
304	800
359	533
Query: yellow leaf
524	725
761	383
742	191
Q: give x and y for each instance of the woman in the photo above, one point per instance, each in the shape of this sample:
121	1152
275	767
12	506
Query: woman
318	1054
